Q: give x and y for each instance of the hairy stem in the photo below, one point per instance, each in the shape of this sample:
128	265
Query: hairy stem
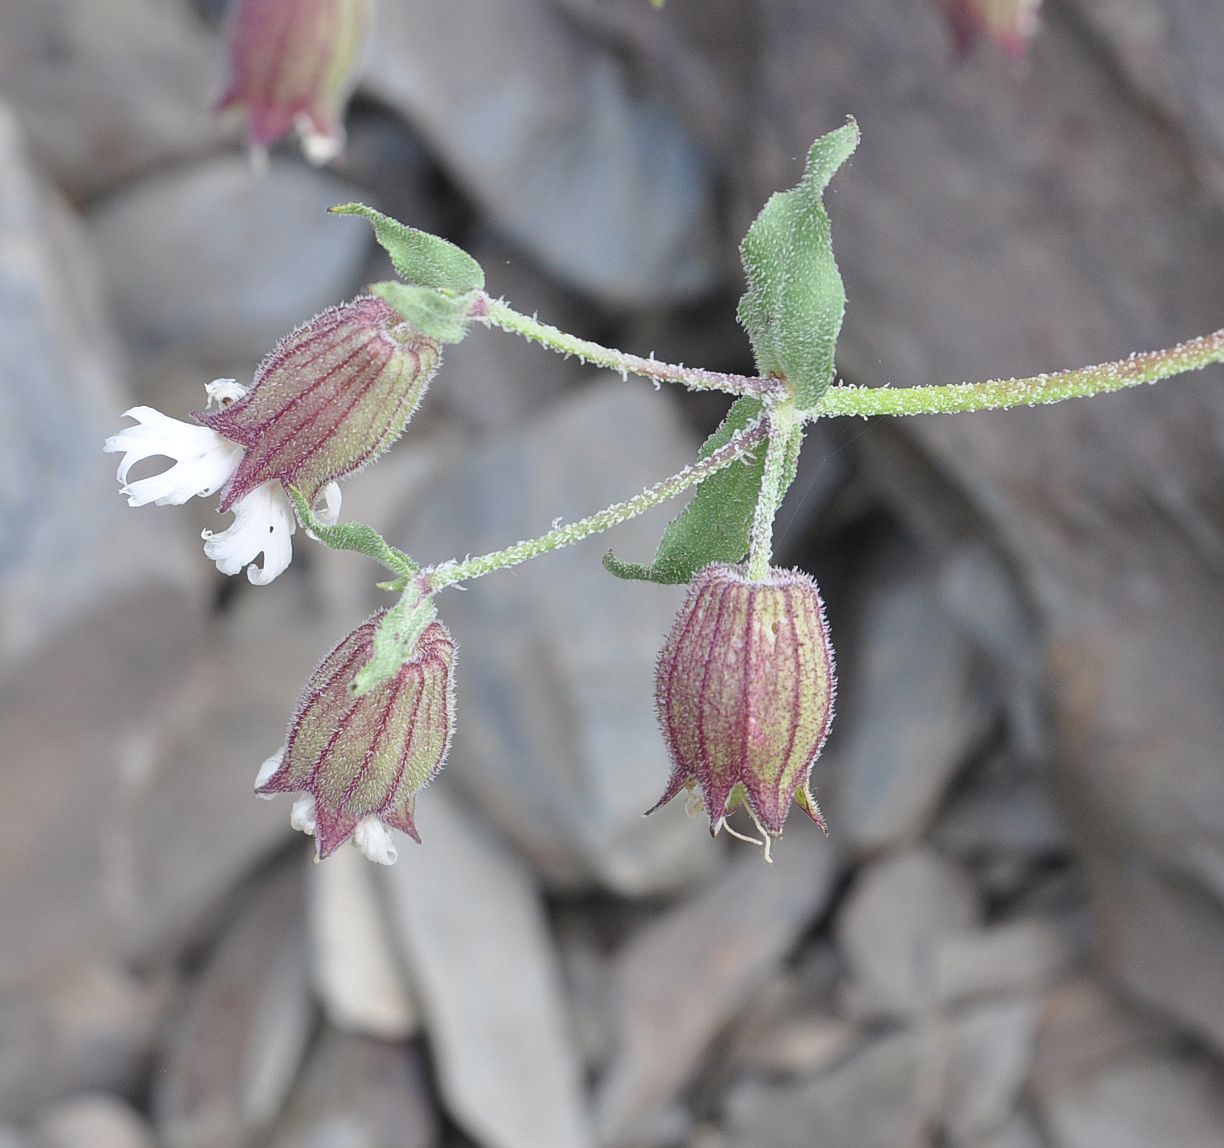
494	313
449	573
999	394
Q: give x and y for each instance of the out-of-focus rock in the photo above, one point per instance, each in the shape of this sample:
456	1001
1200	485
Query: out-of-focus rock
880	1097
790	1031
556	736
543	131
909	713
234	1053
467	914
1171	1101
1021	954
67	541
1020	1131
356	1092
1083	1028
355	969
95	1120
988	1050
77	1027
890	927
194	824
109	91
686	975
1003	809
221	261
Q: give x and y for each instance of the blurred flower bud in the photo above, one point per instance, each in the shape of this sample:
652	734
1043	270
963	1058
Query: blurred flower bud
332	395
293	64
359	762
1009	24
745	689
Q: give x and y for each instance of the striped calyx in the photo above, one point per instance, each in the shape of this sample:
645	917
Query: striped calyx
293	64
745	688
367	757
332	395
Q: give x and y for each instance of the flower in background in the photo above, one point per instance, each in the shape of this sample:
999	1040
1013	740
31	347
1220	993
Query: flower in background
333	395
359	762
293	64
1009	24
745	688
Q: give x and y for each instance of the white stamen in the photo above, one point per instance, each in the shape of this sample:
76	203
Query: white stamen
222	392
266	770
263	524
302	815
373	840
203	460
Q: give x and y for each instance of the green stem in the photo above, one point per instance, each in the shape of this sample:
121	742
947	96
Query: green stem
449	573
760	551
999	394
495	313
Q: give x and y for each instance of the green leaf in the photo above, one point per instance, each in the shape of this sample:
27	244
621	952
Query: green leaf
716	526
442	317
420	258
795	301
352	536
395	642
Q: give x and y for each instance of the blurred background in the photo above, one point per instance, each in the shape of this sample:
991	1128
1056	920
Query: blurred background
1014	936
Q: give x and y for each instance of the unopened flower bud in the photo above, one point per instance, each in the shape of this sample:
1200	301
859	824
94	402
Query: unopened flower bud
745	689
332	395
359	762
293	64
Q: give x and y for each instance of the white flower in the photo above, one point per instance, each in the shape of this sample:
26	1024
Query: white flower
302	815
266	770
263	524
203	460
373	840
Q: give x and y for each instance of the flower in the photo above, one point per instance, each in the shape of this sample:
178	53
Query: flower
1010	24
293	64
359	762
745	687
334	394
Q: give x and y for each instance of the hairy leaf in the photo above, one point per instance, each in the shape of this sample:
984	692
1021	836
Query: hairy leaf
420	258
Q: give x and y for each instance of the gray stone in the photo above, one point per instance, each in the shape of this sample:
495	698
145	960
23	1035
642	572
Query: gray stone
603	187
1020	1131
234	1053
356	1092
1026	953
109	91
220	260
989	1048
909	713
97	1120
681	979
467	914
1173	1102
1003	809
79	1026
556	736
880	1097
68	540
890	927
356	973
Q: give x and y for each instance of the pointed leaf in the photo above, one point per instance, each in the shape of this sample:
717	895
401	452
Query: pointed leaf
716	526
795	301
352	536
420	258
441	317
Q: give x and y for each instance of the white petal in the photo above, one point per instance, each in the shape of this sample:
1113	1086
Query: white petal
203	459
266	770
263	524
302	815
329	512
317	148
222	392
373	840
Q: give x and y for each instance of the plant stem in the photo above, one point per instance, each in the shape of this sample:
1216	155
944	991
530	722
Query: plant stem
495	313
999	394
449	573
781	424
